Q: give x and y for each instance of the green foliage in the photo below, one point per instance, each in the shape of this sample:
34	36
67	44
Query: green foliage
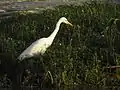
78	54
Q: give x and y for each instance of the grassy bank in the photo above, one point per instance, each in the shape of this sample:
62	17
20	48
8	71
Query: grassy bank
78	55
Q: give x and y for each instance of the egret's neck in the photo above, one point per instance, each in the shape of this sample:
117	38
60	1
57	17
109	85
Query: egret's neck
52	36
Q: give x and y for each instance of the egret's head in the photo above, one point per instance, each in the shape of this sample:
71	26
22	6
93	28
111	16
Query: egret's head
64	20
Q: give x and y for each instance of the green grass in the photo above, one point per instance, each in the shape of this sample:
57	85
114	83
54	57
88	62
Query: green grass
78	54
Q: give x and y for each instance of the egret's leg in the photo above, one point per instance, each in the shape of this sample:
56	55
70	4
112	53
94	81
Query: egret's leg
42	69
43	64
41	59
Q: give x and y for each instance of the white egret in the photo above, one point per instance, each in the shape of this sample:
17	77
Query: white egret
41	45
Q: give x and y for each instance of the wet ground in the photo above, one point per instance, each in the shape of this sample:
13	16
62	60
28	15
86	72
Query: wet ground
26	5
12	5
7	6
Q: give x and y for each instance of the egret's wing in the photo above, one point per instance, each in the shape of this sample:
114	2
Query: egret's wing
35	48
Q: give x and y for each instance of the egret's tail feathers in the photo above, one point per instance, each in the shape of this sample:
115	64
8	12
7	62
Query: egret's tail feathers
19	59
22	57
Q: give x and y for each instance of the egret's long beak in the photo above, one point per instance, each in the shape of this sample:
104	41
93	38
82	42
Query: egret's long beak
69	23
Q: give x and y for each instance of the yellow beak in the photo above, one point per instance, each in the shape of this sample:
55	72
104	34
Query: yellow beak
69	23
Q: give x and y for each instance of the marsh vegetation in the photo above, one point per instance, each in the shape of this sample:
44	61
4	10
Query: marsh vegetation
79	54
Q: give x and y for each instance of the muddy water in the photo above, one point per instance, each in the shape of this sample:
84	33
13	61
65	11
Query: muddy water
12	5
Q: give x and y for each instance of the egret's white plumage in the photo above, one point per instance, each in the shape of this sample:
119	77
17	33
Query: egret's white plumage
41	45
